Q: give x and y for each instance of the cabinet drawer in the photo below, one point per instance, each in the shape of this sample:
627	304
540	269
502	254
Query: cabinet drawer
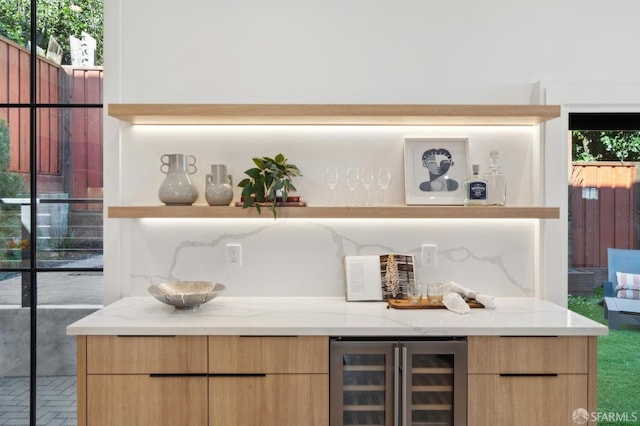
269	400
134	400
287	354
506	354
146	354
525	400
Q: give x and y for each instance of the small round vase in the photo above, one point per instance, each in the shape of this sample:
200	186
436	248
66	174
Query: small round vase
219	186
177	188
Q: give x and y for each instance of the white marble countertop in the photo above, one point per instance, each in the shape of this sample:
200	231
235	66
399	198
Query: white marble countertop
325	316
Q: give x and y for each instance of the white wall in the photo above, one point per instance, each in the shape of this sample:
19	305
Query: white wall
336	51
366	51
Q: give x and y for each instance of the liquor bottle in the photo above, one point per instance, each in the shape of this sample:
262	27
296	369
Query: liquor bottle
475	189
496	182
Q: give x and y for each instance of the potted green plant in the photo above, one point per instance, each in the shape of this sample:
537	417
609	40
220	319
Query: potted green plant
268	182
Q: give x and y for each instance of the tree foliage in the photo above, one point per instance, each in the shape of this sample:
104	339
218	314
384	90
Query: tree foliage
593	145
58	18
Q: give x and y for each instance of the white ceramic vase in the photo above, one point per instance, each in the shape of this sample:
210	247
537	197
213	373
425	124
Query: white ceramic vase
219	186
177	188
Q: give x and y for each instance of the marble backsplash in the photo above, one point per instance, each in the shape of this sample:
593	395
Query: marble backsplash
306	257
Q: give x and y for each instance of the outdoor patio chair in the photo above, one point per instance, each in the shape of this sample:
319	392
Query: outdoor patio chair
622	307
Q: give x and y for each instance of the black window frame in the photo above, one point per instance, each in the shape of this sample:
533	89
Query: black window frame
30	273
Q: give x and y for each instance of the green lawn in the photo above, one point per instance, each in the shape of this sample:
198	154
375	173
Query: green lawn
618	365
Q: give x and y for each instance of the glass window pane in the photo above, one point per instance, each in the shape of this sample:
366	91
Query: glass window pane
63	298
69	234
14	52
14	191
14	146
70	187
14	236
69	157
71	38
65	289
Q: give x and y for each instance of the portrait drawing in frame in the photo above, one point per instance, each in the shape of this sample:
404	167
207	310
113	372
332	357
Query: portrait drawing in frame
435	170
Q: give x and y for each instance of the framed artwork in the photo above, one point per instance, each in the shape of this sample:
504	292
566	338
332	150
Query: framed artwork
435	170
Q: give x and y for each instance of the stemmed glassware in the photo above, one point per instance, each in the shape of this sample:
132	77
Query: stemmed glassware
367	180
353	177
384	180
331	178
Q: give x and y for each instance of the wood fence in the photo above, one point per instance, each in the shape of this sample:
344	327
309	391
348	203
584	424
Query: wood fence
602	208
69	140
86	134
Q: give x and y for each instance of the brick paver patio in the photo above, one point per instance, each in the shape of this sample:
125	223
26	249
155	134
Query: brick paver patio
56	401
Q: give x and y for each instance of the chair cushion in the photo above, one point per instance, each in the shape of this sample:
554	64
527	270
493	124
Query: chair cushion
628	285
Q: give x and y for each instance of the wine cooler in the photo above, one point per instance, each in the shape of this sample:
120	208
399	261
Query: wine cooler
409	382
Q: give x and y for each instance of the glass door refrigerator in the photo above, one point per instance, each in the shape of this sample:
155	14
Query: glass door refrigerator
398	382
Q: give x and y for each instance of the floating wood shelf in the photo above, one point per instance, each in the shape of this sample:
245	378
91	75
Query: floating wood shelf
337	114
383	212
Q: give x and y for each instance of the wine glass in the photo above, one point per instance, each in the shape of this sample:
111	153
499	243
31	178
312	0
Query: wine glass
384	180
331	178
353	177
367	180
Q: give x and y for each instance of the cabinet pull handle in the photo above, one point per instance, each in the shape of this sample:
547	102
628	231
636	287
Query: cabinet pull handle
145	335
528	374
396	385
251	335
405	386
237	374
178	375
546	337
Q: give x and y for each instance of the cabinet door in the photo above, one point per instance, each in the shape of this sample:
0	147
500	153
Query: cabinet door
264	355
139	400
236	400
269	400
525	399
435	383
365	379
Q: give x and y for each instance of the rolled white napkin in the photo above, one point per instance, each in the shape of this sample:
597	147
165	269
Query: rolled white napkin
455	296
454	302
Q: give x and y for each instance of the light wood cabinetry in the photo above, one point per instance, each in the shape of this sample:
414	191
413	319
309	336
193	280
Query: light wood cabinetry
286	354
530	380
284	381
256	381
146	355
270	399
150	380
135	400
519	354
200	380
525	400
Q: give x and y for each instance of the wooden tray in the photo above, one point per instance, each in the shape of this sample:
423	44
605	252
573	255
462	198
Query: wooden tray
424	304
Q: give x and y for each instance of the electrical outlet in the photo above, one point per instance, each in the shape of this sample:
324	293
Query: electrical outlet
429	254
234	254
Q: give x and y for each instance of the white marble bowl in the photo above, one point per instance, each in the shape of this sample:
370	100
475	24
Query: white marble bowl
186	295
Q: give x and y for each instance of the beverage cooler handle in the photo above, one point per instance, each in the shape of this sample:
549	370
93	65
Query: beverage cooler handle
405	386
396	385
